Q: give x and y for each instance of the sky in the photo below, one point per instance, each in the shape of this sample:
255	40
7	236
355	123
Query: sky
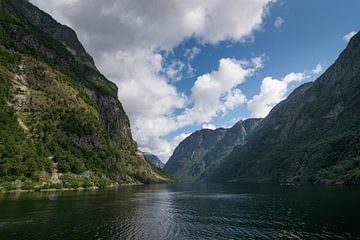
183	65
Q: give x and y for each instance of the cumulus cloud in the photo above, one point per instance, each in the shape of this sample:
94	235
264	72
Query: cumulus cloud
279	21
348	36
143	91
232	99
216	92
158	23
126	39
318	69
213	93
272	91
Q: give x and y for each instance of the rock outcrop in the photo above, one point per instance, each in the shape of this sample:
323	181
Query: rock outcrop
312	136
202	152
154	159
56	109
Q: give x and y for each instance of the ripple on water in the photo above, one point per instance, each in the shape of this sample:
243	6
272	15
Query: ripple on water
169	213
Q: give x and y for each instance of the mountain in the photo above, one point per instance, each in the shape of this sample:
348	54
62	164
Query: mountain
312	136
154	159
59	116
202	152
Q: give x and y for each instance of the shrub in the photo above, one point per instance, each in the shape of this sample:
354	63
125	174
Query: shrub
63	166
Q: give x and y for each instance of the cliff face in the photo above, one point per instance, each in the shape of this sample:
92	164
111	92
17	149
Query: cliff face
111	112
57	111
154	159
312	136
200	153
33	16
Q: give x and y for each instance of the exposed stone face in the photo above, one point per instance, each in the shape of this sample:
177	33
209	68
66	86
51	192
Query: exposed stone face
312	136
115	120
112	113
46	23
200	153
235	136
65	108
315	130
154	159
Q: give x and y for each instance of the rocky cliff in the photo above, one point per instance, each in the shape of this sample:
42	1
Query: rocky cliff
312	136
111	112
57	111
203	151
154	159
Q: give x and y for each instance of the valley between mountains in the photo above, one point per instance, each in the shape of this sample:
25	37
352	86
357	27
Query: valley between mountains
63	127
313	136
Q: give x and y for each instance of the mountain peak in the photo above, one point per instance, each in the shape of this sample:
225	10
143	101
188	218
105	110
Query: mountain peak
198	154
309	137
59	114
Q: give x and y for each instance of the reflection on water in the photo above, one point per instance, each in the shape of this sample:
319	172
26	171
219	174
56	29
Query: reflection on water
183	212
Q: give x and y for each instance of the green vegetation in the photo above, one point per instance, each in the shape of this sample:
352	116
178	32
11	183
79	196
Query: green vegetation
345	172
51	104
203	151
68	181
312	136
160	172
19	156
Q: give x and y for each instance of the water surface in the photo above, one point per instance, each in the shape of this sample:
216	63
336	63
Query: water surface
184	212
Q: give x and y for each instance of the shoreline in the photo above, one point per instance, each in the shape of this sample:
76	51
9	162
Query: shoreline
113	186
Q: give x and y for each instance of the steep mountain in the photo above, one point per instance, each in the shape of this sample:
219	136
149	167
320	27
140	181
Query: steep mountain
199	154
312	136
58	113
154	159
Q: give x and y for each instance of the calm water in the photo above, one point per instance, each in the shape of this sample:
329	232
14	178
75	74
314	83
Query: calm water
184	212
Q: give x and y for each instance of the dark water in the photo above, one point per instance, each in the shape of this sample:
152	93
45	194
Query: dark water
184	212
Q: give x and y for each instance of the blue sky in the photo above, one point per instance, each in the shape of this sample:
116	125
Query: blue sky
311	33
184	65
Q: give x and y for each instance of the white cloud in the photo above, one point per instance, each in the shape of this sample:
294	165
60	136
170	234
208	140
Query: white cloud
157	23
214	93
348	36
125	37
279	21
175	70
191	53
294	77
144	91
258	61
176	140
318	69
233	99
272	91
209	126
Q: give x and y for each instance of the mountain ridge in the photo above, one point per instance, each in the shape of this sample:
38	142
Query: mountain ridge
312	136
60	117
154	159
201	152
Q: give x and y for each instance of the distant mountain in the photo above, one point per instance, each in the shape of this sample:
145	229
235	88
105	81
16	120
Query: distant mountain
59	116
154	159
312	136
203	151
